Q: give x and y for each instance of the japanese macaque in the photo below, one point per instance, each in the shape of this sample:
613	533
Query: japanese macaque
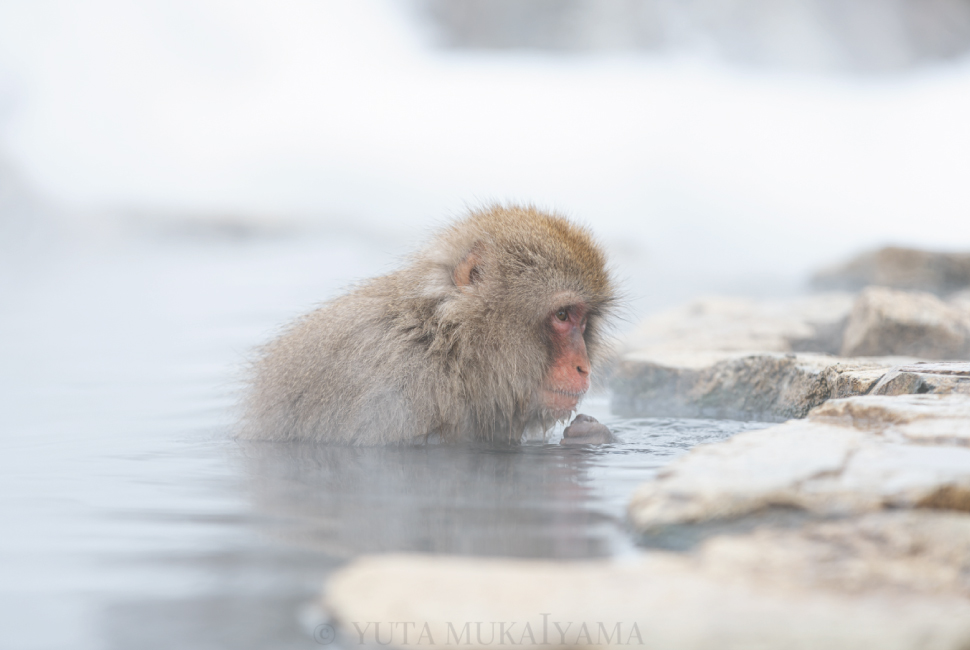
489	333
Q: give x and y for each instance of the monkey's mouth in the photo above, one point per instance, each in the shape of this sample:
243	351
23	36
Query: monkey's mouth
557	399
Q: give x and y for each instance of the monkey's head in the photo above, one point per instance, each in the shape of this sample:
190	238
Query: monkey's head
520	297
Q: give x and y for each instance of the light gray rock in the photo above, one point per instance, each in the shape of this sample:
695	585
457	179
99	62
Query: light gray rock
853	455
910	418
770	387
741	359
895	580
889	322
924	377
807	324
899	268
961	301
903	551
881	558
801	34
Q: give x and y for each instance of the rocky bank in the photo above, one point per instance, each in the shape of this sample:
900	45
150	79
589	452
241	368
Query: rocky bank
846	526
741	359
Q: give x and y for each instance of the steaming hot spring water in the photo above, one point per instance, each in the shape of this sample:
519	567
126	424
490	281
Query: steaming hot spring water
132	518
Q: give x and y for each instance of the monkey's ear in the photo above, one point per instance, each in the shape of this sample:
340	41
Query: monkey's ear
468	272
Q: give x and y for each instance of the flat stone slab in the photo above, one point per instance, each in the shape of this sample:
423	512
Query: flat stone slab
773	361
770	387
900	268
852	455
807	324
904	552
929	420
928	377
888	581
887	322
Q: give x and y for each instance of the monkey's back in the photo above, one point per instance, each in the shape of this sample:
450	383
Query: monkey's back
349	372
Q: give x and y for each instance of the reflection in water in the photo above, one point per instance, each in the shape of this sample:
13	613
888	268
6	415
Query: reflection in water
312	507
529	501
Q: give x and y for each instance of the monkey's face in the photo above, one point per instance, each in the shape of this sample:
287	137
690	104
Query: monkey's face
567	379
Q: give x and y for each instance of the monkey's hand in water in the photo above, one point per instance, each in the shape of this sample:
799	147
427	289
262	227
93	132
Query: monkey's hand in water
586	430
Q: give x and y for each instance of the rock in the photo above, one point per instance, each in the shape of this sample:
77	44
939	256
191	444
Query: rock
808	324
909	551
893	580
852	455
880	557
918	419
869	39
940	378
586	430
770	387
888	322
738	359
899	268
961	302
749	472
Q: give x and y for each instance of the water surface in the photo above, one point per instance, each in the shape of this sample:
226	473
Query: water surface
130	516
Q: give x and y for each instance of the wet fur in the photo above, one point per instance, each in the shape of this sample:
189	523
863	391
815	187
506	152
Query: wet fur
427	353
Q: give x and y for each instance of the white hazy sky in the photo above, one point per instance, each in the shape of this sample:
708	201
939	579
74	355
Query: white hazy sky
337	108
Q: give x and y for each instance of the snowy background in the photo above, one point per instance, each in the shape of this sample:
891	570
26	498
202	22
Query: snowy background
703	165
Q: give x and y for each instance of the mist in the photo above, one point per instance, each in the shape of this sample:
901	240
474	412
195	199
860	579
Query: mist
686	164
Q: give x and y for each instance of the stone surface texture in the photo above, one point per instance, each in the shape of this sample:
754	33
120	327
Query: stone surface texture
742	325
887	580
886	321
875	552
853	455
878	558
741	359
908	552
961	301
900	268
770	387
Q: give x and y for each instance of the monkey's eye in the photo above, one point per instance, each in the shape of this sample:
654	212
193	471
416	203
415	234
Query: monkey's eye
563	314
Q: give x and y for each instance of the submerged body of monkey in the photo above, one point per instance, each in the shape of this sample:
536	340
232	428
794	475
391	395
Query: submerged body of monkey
488	333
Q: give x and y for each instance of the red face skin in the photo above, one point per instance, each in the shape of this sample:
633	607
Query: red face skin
568	377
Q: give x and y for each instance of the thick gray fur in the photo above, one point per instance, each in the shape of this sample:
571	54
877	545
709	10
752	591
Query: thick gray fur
421	355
